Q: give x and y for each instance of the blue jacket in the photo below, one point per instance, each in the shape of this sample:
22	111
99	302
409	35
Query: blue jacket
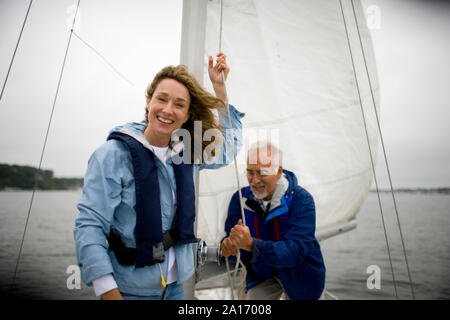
108	201
284	243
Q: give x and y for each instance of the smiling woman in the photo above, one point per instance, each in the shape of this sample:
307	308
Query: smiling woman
176	100
140	200
168	110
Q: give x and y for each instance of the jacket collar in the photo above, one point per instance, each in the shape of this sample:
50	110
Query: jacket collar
280	189
277	203
137	132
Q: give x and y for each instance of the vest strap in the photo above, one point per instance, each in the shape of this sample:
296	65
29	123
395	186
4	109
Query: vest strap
127	256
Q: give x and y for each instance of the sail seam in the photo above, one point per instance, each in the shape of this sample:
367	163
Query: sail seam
295	117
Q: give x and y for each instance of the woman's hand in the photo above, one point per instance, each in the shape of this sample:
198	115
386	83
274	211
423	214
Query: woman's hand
113	294
215	74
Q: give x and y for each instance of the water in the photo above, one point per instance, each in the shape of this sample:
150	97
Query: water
425	219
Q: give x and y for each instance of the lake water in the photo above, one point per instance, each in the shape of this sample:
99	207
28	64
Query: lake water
48	249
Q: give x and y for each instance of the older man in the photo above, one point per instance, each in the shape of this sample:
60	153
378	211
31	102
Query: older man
278	246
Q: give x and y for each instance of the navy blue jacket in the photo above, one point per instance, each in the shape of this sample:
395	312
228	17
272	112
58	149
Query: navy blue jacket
284	243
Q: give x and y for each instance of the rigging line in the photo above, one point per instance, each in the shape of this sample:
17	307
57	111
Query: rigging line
370	151
234	152
220	26
230	124
103	57
43	147
229	278
233	148
384	153
15	50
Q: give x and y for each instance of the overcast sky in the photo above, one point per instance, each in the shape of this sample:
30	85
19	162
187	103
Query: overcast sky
411	43
412	50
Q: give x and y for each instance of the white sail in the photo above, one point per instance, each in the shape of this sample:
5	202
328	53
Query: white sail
292	73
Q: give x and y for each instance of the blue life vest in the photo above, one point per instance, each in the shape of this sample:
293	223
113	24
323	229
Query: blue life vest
148	230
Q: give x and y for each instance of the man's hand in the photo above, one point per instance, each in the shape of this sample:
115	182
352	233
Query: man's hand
227	248
241	238
113	294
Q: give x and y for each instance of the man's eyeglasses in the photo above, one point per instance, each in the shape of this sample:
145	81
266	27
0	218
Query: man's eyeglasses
260	173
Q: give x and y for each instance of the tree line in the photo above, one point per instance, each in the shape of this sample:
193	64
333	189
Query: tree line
24	177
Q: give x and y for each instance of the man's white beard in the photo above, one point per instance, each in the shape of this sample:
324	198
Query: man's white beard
260	195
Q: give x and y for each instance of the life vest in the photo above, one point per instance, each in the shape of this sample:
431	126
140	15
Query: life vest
150	244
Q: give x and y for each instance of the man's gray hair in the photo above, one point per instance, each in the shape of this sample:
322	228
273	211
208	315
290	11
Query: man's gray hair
276	154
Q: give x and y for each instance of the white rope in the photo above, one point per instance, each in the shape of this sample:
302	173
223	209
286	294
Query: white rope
234	158
230	124
229	278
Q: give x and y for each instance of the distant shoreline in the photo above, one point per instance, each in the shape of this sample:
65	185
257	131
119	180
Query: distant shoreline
443	190
12	189
22	178
17	177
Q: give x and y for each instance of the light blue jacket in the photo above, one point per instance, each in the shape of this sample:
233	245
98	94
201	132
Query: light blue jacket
108	201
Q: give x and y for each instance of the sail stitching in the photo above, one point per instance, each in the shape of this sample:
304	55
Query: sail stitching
294	117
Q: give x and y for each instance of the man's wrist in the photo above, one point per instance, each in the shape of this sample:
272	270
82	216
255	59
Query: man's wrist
249	246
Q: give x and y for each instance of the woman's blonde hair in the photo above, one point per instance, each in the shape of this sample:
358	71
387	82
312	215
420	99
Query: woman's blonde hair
201	108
